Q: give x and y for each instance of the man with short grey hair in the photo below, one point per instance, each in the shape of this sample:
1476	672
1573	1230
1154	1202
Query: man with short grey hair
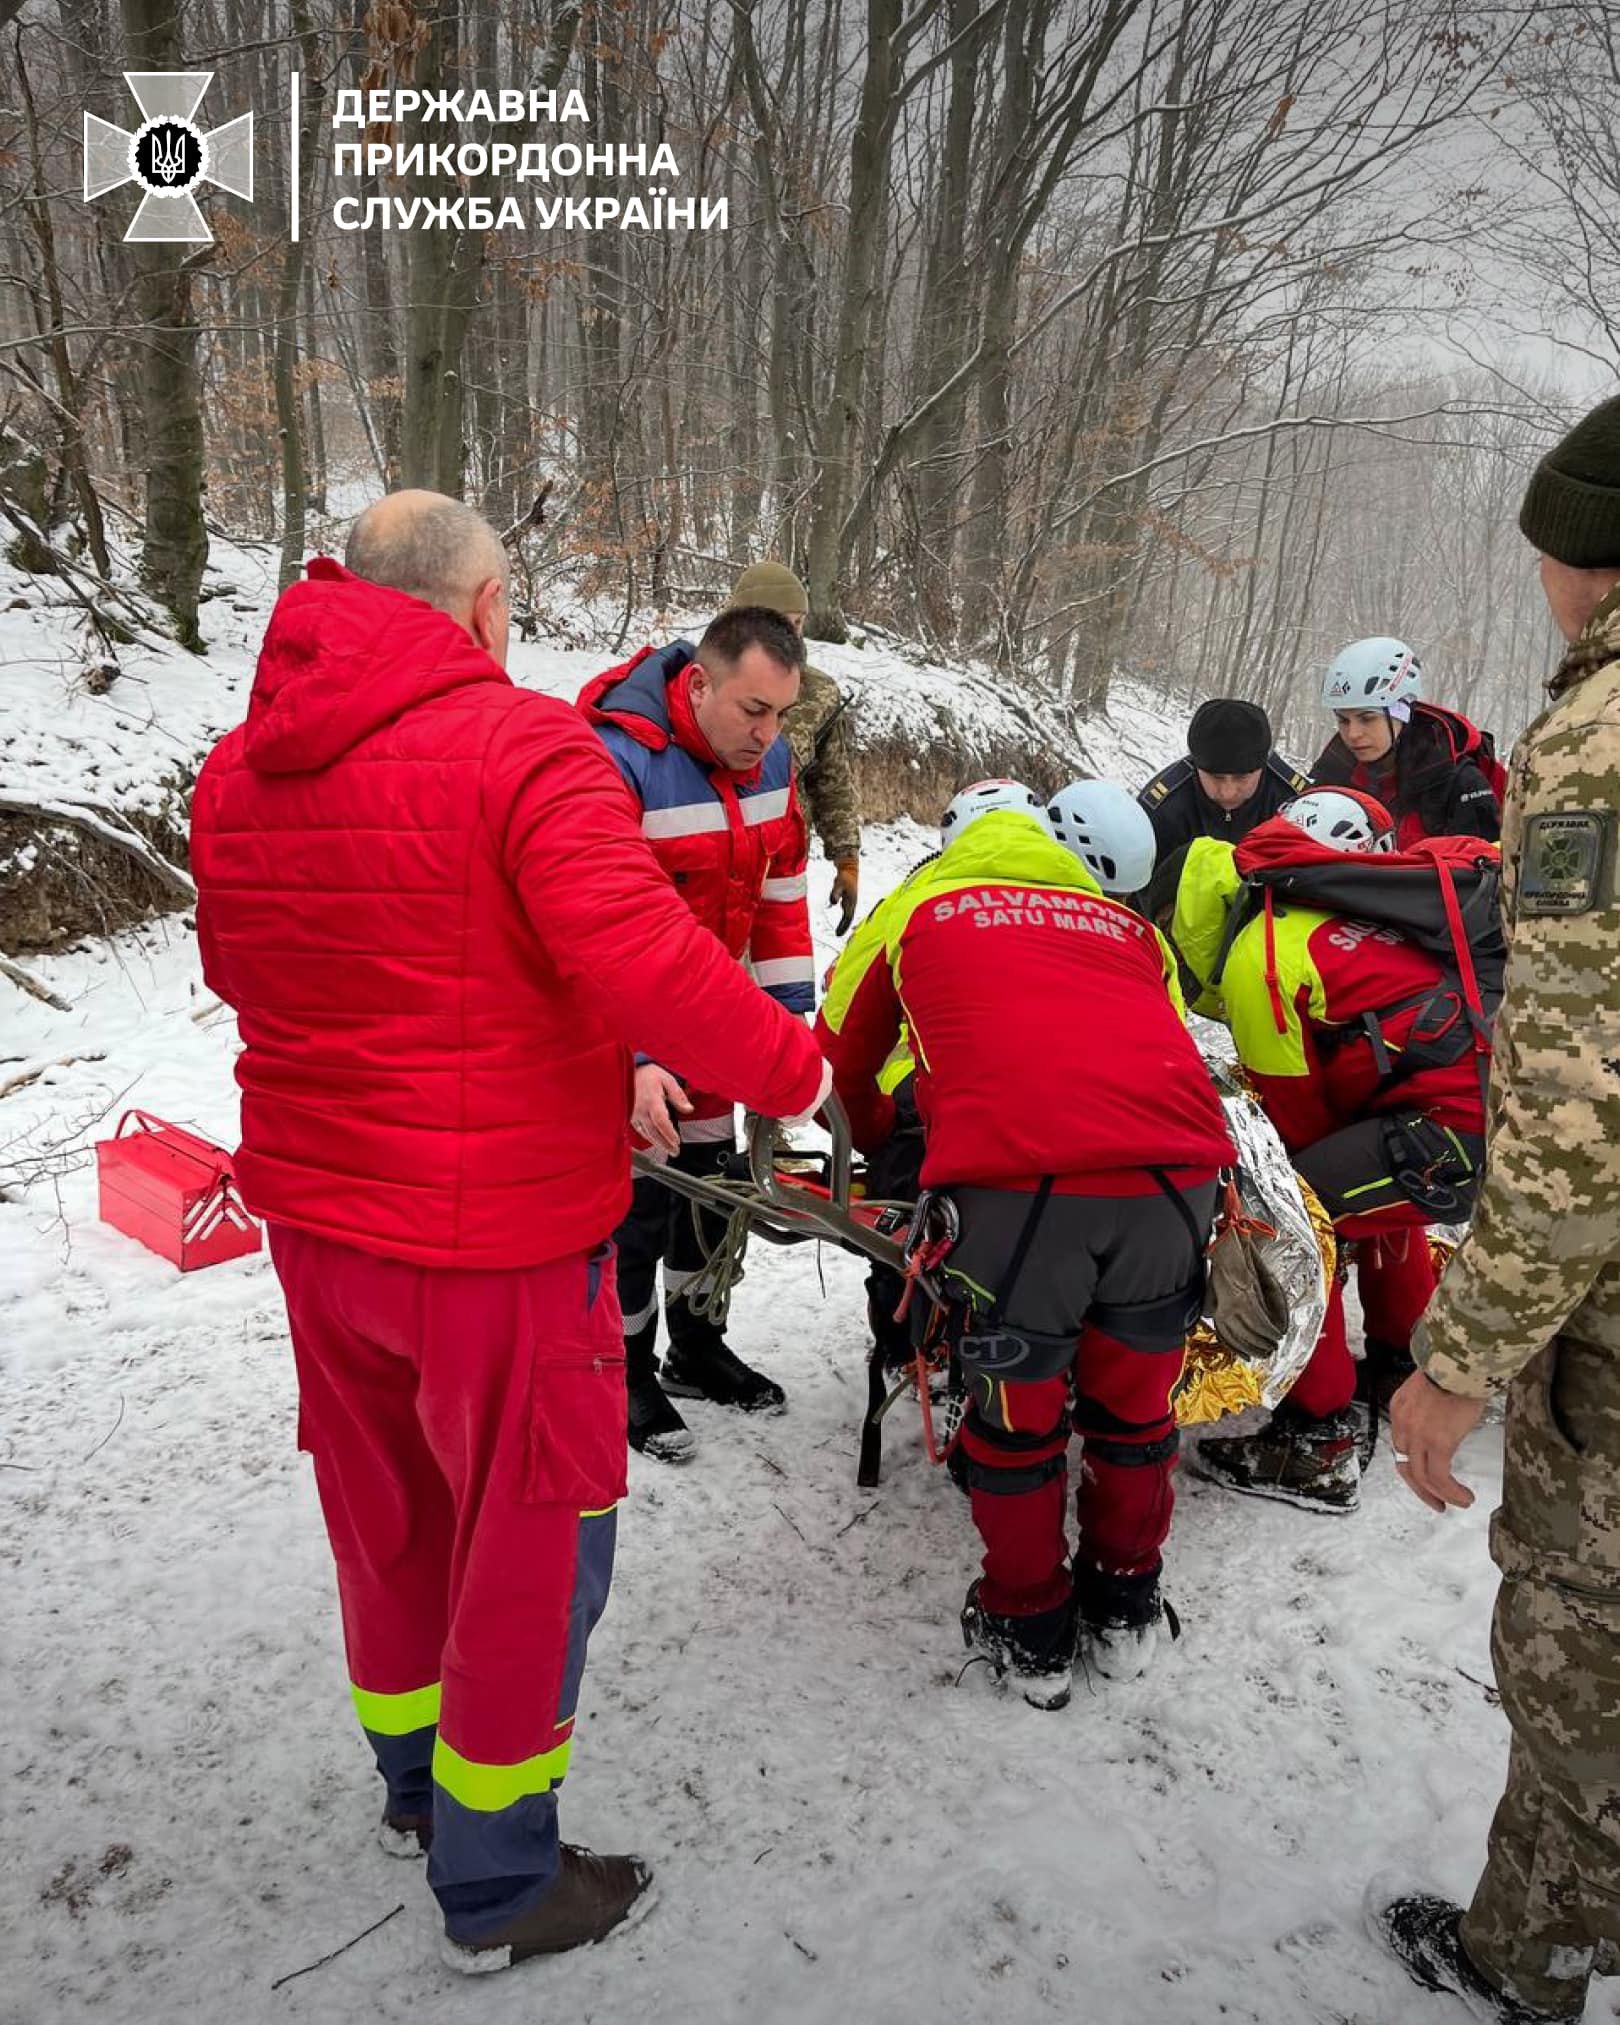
441	551
426	894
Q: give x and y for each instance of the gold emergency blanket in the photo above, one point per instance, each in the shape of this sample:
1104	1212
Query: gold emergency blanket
1301	1251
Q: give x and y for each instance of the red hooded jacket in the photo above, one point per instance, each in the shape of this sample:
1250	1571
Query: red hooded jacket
426	894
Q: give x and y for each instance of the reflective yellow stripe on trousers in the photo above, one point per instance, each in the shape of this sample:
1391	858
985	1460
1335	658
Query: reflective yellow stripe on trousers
396	1715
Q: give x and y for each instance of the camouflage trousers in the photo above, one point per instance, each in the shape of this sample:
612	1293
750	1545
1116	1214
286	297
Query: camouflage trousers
1547	1909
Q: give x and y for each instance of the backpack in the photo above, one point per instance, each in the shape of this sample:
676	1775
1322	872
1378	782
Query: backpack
1467	741
1443	895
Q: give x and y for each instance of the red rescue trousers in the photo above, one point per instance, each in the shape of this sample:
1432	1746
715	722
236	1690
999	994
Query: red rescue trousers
468	1435
1383	1180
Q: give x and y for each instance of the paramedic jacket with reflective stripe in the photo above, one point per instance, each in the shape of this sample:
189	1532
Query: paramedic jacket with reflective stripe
734	843
1046	1038
1312	1065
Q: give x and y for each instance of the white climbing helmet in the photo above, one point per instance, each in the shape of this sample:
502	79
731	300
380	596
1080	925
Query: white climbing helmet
1108	831
982	799
1343	818
1373	674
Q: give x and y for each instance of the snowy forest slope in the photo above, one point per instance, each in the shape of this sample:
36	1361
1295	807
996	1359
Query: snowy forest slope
846	1825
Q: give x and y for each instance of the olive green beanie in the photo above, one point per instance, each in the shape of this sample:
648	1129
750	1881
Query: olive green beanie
773	585
1571	507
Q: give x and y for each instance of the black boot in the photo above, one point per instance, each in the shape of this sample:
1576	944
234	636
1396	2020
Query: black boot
1033	1654
1423	1933
1300	1460
656	1428
1122	1618
702	1365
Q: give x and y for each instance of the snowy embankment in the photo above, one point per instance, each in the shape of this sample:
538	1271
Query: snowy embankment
132	745
847	1827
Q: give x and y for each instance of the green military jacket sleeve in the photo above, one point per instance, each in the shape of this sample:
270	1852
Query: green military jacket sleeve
1543	1255
816	729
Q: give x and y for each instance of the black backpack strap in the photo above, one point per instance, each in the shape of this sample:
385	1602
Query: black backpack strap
1244	908
1026	1237
1178	1202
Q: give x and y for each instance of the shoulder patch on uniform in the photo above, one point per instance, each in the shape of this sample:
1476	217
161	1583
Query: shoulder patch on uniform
1567	866
1285	770
1164	783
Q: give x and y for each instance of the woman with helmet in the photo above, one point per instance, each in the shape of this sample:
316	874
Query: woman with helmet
1066	1109
1359	1044
1436	773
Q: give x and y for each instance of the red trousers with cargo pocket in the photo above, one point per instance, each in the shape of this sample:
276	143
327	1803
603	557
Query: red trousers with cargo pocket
468	1435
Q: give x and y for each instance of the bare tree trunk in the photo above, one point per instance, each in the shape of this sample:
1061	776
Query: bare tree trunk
863	250
289	416
174	551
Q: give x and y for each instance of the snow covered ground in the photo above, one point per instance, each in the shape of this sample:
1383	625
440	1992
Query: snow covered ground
846	1827
166	708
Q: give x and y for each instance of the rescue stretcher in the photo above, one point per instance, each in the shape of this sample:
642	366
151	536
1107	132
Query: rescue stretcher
797	1197
793	1197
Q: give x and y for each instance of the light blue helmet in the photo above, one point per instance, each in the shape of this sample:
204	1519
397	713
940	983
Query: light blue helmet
1108	831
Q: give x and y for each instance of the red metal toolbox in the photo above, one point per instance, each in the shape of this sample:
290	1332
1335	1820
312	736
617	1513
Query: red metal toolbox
174	1191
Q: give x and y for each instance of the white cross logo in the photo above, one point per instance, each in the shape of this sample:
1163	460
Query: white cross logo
168	156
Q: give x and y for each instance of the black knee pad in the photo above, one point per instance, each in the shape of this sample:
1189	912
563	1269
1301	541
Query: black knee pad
1012	1479
1129	1455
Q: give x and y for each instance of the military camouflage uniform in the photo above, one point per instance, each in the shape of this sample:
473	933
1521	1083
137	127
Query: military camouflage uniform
1531	1302
816	732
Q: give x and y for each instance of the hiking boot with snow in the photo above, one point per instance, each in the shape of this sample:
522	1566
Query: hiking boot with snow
656	1427
1422	1933
405	1834
1033	1654
1309	1463
700	1367
592	1896
1122	1618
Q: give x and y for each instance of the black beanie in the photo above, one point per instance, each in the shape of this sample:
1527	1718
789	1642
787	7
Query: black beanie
1228	736
1571	507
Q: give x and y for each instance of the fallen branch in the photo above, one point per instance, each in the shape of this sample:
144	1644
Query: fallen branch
292	1975
74	573
34	1070
96	823
26	981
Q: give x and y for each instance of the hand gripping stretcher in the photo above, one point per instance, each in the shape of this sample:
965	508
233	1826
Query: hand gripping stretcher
790	1198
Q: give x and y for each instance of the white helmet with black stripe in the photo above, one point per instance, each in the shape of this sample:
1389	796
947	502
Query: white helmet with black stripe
1378	673
983	798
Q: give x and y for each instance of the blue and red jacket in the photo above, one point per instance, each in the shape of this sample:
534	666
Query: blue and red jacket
733	843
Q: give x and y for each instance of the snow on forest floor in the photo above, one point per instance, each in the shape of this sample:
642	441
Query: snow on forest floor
846	1827
167	707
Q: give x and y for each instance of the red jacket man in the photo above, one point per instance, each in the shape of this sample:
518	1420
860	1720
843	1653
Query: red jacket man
695	734
423	892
